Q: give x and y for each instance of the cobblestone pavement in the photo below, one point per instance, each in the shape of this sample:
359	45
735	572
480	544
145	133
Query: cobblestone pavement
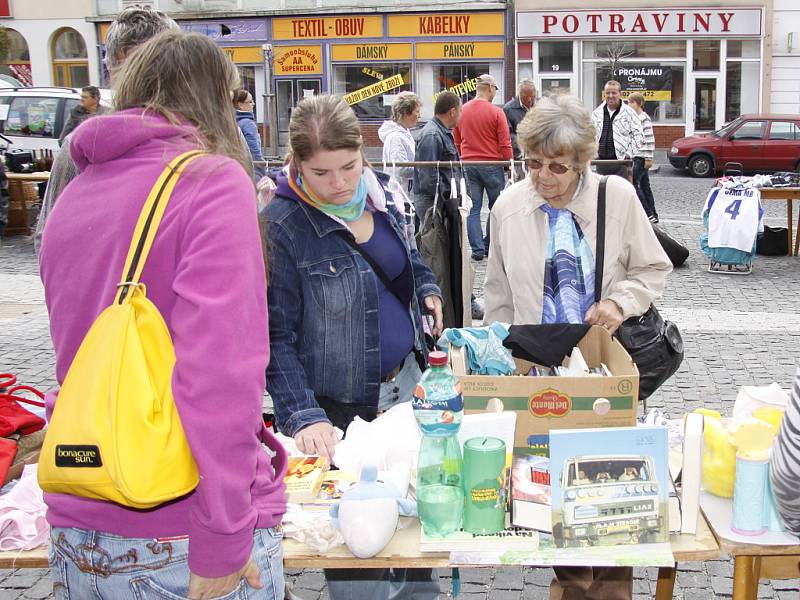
737	331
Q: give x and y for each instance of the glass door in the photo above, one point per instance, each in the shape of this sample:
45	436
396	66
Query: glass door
706	106
288	93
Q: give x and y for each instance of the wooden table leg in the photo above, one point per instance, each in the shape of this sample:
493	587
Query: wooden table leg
666	582
745	577
790	224
797	238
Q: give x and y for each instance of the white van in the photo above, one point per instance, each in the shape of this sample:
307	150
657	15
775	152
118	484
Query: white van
33	117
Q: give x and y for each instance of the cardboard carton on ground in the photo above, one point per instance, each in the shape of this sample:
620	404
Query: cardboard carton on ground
545	403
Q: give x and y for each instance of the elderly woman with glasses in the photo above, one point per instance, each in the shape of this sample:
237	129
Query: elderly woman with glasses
542	261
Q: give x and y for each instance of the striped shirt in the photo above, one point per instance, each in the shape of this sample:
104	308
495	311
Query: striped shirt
785	463
627	130
648	147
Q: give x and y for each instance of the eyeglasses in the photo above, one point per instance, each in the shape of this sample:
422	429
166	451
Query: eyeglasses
556	168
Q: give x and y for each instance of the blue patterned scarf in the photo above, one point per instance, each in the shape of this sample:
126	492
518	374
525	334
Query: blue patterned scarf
569	270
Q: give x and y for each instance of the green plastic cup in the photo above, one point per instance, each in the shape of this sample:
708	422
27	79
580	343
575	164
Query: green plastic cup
484	489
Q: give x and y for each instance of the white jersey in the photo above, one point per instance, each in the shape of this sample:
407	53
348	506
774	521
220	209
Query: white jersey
735	217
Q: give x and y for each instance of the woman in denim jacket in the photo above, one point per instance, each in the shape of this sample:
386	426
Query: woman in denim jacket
343	343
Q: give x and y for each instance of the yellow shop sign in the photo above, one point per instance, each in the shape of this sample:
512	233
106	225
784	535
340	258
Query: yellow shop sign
460	50
371	52
327	27
298	60
376	89
442	25
244	54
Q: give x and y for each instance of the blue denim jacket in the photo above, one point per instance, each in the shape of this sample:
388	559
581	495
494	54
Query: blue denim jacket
323	309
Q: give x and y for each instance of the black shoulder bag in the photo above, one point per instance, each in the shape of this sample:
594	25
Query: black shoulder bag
655	345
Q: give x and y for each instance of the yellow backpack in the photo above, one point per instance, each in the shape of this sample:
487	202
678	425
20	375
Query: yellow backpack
115	433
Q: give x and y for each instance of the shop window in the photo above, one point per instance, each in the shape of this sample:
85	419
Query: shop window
70	62
784	130
555	57
32	117
524	71
668	102
17	64
350	78
743	80
706	55
744	49
459	78
635	49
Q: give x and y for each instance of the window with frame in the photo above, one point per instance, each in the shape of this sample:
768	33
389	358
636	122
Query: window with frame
354	77
555	57
32	117
70	60
247	81
784	130
751	130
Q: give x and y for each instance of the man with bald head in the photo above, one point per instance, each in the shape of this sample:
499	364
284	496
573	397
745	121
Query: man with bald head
619	130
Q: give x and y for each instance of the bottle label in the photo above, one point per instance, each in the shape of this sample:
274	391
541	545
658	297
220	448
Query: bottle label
441	416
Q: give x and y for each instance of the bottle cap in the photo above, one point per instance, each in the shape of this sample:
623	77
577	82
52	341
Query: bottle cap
437	358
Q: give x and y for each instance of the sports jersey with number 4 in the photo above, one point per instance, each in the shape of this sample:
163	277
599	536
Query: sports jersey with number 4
735	217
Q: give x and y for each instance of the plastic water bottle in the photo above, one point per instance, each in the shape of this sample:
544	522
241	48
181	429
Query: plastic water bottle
439	407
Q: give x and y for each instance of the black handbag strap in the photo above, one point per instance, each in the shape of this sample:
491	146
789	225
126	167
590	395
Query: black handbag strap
600	245
376	268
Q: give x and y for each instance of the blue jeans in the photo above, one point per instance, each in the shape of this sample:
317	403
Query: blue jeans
89	565
492	180
641	179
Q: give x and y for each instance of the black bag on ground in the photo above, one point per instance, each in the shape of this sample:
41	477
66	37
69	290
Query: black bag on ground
677	252
773	242
655	345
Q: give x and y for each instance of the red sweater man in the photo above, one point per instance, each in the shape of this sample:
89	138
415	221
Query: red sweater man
482	134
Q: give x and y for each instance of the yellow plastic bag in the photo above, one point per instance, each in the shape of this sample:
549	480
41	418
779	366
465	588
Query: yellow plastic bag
115	433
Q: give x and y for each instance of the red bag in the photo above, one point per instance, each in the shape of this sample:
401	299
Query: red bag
14	417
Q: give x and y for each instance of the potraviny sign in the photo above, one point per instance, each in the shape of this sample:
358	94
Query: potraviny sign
688	22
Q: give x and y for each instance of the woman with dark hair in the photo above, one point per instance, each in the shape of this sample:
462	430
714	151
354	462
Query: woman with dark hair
205	274
244	105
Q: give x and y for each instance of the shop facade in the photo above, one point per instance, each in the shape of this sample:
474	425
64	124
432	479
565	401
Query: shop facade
369	59
697	67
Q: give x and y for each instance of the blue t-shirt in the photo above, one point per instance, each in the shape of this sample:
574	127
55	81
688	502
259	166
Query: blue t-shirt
395	326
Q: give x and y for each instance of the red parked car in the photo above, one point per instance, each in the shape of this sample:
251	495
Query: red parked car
760	142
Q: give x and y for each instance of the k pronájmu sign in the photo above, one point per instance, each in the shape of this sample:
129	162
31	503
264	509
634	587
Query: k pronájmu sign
654	82
375	89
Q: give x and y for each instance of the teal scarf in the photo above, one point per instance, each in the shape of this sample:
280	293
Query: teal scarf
351	211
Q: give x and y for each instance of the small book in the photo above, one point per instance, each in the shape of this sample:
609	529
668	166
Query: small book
333	485
511	538
691	471
304	477
674	512
530	493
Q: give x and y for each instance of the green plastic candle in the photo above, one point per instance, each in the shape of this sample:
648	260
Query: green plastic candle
484	490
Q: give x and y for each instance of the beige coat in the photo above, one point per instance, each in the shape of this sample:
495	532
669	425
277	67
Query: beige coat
635	267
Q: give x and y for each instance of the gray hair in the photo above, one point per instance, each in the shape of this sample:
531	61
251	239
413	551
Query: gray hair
559	126
613	83
132	28
405	104
527	82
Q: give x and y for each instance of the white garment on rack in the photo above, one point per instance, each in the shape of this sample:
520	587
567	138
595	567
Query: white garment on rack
734	218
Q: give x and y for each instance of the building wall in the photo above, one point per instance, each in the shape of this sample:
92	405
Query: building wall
785	96
38	21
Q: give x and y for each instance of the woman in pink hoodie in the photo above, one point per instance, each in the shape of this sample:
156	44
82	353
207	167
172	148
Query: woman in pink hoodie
205	274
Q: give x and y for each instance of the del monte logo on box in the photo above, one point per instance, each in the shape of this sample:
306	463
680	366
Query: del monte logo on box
549	403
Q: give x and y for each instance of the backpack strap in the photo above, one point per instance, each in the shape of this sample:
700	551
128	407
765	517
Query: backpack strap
149	219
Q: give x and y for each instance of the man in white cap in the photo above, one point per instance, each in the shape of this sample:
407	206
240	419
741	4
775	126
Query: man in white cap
482	134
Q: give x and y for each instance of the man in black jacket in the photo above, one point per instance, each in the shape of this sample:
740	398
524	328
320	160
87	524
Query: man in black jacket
90	105
517	108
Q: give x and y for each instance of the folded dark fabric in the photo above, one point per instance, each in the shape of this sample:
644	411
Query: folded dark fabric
545	345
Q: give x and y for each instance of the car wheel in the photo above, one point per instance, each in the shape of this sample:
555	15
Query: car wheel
701	165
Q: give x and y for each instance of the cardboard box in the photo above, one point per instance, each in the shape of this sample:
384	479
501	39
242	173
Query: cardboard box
545	403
